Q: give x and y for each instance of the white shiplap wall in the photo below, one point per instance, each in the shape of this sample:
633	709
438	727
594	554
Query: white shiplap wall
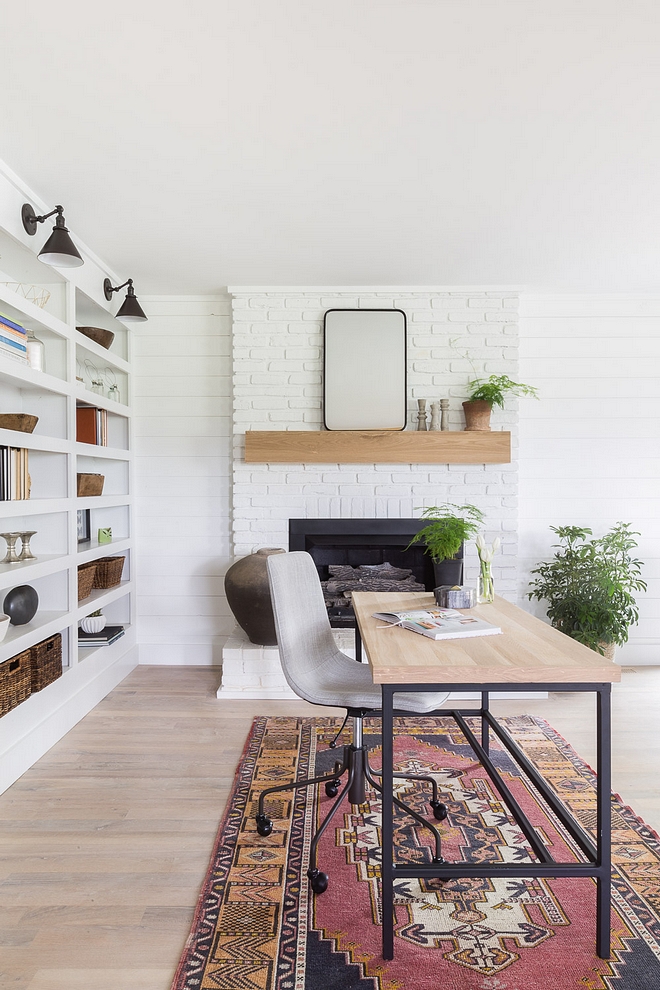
183	445
590	448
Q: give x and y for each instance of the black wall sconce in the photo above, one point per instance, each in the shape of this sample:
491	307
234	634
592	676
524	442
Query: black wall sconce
59	250
130	310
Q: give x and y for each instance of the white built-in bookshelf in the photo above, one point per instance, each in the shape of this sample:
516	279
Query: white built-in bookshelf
55	459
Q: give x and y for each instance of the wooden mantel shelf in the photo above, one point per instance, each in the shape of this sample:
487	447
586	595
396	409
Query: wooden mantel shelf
377	447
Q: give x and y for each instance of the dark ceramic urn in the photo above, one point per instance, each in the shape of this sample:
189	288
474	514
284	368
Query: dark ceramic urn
248	594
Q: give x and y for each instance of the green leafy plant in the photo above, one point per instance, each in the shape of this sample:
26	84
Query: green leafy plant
449	526
589	584
494	390
98	612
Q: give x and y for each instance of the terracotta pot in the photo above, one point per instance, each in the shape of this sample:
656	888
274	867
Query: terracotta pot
248	595
477	415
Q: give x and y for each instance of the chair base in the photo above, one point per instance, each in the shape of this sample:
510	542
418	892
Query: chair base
354	764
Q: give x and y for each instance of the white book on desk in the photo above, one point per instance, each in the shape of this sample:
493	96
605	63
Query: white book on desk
440	623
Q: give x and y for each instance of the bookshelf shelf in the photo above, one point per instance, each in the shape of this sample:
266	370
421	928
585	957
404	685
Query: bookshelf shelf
55	457
33	441
32	507
87	398
15	373
20	638
25	571
101	597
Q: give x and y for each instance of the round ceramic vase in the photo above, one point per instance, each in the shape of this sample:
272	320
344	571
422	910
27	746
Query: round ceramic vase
21	604
248	595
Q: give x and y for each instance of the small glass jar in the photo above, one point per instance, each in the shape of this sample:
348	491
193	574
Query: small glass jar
97	386
114	393
35	351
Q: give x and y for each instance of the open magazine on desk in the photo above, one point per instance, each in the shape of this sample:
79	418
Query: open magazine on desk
440	623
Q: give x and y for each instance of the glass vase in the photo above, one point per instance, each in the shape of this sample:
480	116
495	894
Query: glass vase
35	351
485	586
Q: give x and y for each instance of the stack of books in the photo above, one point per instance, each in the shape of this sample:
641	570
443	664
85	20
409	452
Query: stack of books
14	474
106	637
13	339
92	425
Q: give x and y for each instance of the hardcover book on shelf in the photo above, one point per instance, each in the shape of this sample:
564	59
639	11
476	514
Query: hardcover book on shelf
92	425
14	474
106	637
440	623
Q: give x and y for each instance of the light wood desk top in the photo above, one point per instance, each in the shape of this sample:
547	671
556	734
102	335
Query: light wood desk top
528	651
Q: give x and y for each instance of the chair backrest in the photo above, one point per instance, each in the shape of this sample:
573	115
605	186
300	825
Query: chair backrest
303	629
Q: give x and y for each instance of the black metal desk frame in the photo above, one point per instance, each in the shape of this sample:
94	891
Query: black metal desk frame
597	861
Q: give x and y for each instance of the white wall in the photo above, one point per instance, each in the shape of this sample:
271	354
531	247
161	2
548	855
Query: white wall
589	454
590	448
182	448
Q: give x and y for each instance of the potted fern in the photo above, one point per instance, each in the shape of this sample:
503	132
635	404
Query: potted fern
449	526
484	393
589	585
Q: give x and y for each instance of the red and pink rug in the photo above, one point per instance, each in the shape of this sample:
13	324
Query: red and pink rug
258	927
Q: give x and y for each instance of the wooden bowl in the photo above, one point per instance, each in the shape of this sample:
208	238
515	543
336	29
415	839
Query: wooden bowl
98	335
23	422
90	484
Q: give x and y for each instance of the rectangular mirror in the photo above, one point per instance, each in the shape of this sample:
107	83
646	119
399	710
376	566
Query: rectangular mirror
364	373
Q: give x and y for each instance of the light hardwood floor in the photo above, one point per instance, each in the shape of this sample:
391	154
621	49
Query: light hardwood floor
105	841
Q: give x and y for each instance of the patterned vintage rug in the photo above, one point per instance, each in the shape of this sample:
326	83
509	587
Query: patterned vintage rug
258	928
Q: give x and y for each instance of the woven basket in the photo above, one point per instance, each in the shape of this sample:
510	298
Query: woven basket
108	571
14	681
86	574
45	662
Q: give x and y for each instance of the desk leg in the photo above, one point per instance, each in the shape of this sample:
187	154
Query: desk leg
484	722
358	643
387	891
603	821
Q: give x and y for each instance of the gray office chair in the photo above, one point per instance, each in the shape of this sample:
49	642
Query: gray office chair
320	673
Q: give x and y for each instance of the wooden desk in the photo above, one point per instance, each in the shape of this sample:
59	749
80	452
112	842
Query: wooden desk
528	654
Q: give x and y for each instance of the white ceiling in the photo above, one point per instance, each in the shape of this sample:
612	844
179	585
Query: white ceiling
212	142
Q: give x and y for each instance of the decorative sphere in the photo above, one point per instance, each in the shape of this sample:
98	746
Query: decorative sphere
21	604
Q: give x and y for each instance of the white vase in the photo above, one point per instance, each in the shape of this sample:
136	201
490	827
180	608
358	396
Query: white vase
93	623
4	626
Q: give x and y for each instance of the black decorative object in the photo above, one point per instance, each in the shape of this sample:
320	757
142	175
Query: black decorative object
59	250
130	310
450	570
248	596
21	604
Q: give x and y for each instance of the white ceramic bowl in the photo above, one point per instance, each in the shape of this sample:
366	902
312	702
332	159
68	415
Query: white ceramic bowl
93	623
4	626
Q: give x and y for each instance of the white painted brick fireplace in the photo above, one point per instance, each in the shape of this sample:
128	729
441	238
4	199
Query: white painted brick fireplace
277	340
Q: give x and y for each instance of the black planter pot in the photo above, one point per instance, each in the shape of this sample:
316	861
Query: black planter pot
449	571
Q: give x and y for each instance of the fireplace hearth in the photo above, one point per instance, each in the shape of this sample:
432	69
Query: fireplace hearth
363	544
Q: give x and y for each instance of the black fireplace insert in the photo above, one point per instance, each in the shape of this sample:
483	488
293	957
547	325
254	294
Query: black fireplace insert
360	542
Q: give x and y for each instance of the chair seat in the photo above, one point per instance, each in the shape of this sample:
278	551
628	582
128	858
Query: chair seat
342	683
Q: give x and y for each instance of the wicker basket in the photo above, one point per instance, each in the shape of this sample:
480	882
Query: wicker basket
86	574
108	571
14	681
46	662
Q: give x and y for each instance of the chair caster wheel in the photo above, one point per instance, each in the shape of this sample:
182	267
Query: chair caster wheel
318	881
439	810
332	788
264	825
